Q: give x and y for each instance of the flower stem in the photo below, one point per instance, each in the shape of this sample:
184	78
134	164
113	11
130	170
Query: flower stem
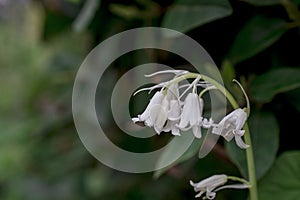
247	136
233	178
250	163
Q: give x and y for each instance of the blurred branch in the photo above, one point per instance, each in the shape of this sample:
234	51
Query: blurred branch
86	15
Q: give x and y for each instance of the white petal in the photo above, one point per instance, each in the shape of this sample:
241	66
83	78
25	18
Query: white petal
185	128
195	117
192	183
224	131
186	111
210	195
175	131
156	99
228	136
199	194
197	131
241	118
227	125
158	116
214	180
207	123
217	130
135	119
175	109
148	122
240	142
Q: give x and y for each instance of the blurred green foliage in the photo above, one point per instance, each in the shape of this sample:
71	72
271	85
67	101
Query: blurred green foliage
41	155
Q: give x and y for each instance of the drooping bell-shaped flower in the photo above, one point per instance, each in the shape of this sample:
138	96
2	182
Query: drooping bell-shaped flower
230	126
191	115
213	184
159	115
151	109
173	118
208	185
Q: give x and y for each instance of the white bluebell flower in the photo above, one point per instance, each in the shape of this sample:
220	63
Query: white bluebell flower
213	184
150	115
163	111
191	116
173	118
230	126
208	185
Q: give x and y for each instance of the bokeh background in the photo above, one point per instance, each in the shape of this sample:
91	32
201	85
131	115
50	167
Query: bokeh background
42	44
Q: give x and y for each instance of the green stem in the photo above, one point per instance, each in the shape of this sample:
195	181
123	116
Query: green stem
250	163
247	136
233	178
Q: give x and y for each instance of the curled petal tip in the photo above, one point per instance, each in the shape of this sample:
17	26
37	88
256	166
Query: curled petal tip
135	119
192	183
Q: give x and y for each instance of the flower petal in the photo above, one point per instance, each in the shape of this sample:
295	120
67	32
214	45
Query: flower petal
240	142
135	119
158	116
214	180
195	115
207	123
241	118
199	194
186	112
175	109
197	131
210	195
156	99
175	131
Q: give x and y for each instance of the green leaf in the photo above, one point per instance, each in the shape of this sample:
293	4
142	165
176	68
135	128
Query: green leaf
258	34
185	15
269	2
227	72
264	2
283	180
294	98
75	1
174	149
296	1
265	139
266	86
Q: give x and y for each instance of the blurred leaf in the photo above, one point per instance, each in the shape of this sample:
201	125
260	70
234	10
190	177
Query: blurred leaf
185	15
258	34
264	2
283	180
294	98
269	2
291	9
266	86
75	1
14	147
124	11
265	139
173	150
227	72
